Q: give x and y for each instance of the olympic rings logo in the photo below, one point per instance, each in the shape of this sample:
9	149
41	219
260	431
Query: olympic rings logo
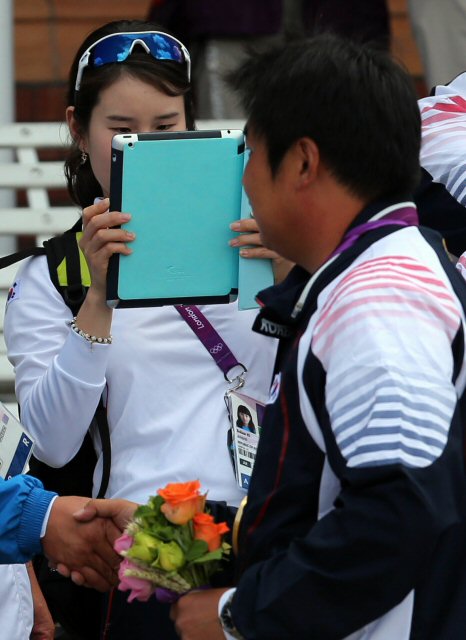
218	347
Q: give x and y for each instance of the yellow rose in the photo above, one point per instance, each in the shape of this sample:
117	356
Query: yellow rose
171	556
144	547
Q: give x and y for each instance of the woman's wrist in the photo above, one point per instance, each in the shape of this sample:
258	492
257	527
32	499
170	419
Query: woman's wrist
95	316
90	337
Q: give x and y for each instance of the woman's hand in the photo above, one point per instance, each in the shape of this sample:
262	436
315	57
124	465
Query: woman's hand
250	245
100	240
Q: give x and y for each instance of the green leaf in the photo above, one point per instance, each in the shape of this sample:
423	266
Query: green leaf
208	557
155	503
143	511
197	549
167	534
182	535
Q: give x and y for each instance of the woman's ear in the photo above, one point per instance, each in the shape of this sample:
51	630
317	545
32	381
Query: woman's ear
74	128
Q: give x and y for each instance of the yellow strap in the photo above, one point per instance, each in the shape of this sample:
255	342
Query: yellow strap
85	275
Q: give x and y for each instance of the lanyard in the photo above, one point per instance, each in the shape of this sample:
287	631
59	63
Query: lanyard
213	342
401	216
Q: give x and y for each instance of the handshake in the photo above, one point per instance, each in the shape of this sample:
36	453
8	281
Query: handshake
79	538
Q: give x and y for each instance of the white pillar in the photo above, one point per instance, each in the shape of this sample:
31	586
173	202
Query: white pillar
7	72
7	102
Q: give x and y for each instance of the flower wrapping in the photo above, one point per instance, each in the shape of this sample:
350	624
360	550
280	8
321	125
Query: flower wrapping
171	545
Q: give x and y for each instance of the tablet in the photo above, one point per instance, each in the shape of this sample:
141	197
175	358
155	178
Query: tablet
254	274
183	189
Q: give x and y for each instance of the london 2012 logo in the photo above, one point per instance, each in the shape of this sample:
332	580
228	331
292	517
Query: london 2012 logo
216	349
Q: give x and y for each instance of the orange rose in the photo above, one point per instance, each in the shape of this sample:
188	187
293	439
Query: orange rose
182	501
206	529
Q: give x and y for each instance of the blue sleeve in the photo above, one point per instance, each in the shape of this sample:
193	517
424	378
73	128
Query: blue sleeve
23	505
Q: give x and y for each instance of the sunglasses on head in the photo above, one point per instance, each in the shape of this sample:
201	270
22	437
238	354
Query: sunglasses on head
116	47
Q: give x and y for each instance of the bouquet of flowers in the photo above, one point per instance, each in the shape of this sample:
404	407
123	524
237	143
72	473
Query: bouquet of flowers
171	545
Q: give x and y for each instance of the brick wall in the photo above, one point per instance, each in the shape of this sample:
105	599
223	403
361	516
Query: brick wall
48	33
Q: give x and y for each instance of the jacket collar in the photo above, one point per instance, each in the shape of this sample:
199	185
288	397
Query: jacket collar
282	304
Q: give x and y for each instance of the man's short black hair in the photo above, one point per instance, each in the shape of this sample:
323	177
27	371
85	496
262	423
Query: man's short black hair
356	103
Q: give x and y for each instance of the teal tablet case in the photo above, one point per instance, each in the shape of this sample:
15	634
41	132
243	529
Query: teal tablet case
253	274
183	189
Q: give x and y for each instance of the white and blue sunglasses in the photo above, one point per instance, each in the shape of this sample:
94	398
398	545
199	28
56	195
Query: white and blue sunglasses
116	47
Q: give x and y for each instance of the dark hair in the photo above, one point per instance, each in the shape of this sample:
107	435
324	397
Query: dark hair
239	422
166	75
356	103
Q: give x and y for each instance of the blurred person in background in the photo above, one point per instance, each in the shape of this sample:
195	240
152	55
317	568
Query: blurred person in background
220	34
440	32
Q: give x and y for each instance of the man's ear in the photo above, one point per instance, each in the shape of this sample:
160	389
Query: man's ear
308	158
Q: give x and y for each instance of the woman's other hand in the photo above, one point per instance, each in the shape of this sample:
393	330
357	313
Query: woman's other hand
250	246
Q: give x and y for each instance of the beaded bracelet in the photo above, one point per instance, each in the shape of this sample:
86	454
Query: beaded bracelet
87	336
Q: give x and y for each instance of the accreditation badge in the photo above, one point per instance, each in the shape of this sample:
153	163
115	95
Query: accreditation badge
245	415
16	445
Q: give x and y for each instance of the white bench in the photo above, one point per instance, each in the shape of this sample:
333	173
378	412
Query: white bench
27	172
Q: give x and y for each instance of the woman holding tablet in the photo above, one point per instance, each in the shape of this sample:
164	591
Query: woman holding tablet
151	368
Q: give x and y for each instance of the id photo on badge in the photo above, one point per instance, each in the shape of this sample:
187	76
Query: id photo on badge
245	419
245	412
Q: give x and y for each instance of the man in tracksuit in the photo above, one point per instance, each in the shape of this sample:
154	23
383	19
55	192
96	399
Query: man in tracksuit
441	195
355	525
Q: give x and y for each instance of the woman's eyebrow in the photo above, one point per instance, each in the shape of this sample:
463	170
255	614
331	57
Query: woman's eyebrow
163	116
118	118
168	116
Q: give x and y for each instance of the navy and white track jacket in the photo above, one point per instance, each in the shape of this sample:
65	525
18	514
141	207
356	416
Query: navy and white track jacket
356	519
